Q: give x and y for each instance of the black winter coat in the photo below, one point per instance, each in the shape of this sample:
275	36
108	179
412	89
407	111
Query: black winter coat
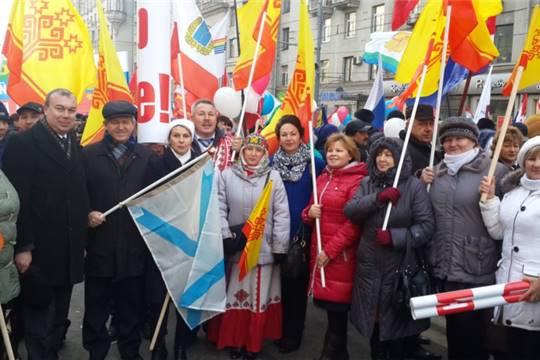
419	153
115	248
159	166
53	218
411	220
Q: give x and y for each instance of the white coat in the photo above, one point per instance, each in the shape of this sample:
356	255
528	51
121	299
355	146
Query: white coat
516	220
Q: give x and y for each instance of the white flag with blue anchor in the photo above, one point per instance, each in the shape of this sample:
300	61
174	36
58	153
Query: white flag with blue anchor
180	223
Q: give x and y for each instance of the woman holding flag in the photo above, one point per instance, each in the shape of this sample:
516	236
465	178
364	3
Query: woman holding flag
255	229
177	153
292	160
339	237
515	221
380	253
462	254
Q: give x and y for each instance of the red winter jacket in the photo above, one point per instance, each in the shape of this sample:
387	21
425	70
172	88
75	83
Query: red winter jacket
339	237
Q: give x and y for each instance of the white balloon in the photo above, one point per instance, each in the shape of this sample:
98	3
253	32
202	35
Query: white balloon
228	102
252	100
393	126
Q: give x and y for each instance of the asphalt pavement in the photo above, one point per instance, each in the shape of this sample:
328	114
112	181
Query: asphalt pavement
311	346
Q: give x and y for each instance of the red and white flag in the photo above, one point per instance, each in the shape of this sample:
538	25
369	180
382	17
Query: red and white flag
522	113
202	48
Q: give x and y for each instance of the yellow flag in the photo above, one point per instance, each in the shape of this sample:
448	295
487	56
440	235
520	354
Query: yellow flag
47	47
299	97
111	83
428	28
254	232
530	57
249	21
469	41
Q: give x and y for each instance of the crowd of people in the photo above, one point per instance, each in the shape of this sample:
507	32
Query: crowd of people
54	232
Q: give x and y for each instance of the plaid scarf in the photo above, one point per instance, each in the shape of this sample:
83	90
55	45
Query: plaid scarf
120	152
63	142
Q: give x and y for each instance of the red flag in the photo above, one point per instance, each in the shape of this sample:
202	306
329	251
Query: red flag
402	9
133	87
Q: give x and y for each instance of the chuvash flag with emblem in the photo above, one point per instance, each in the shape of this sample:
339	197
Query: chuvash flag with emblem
47	47
249	22
202	50
177	220
469	43
254	232
299	97
530	57
111	83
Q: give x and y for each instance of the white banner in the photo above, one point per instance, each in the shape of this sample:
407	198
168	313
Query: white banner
153	69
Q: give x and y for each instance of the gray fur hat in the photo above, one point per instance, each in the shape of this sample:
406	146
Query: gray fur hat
459	126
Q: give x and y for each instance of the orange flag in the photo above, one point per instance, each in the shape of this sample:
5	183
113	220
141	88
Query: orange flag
254	232
299	97
47	47
530	57
249	31
111	84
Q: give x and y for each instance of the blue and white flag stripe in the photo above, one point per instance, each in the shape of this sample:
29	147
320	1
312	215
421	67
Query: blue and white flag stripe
179	222
375	100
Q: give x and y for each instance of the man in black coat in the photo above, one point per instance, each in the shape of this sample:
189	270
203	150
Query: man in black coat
116	253
44	165
419	147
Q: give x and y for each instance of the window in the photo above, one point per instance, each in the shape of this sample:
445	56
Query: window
286	6
503	42
232	47
284	75
377	19
327	30
350	25
285	38
347	68
325	66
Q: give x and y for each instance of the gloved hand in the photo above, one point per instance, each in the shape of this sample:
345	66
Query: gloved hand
383	237
229	246
391	194
236	242
238	235
279	258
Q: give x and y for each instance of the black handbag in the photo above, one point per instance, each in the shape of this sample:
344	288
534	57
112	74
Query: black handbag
296	262
412	278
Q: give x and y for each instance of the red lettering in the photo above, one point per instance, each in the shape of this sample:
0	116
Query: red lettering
143	28
164	97
147	98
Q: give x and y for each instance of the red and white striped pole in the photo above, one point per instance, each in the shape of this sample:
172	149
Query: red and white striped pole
454	302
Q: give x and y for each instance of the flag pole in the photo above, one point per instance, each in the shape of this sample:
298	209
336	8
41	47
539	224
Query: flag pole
504	127
464	96
315	197
406	142
250	79
160	321
154	184
5	335
439	93
243	95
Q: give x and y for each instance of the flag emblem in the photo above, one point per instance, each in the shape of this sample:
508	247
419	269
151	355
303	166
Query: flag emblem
52	37
198	35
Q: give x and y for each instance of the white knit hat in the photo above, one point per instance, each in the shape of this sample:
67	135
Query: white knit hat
188	124
528	145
